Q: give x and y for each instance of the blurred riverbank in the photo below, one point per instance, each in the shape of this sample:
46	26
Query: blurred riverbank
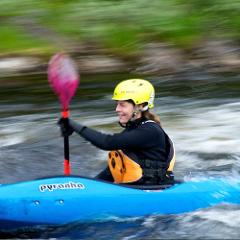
155	58
107	36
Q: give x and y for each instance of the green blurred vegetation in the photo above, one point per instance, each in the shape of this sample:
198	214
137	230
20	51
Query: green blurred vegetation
123	26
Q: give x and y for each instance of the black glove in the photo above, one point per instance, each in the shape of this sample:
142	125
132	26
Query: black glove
65	128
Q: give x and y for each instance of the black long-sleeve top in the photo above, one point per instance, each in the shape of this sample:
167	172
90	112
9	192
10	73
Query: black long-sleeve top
145	139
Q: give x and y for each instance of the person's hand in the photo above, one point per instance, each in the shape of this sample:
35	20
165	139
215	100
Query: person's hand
65	128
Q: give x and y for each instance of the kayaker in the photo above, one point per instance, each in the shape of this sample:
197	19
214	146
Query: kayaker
142	153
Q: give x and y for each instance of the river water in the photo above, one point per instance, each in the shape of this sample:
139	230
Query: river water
199	111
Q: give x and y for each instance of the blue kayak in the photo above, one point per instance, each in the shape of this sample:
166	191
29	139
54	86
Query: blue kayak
62	200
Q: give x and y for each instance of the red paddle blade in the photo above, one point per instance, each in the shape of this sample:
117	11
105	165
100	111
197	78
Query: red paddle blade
63	77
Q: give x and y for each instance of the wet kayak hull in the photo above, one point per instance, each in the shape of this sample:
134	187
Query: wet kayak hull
62	200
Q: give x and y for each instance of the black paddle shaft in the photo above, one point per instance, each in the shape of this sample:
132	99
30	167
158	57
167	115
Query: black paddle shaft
66	148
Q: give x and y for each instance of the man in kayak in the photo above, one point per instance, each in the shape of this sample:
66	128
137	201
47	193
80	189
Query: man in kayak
142	153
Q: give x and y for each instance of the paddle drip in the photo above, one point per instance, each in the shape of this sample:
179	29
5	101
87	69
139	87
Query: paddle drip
63	78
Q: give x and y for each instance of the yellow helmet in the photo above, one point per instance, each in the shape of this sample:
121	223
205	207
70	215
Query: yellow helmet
138	90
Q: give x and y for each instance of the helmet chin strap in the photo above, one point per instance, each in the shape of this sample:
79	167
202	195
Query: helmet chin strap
145	108
137	110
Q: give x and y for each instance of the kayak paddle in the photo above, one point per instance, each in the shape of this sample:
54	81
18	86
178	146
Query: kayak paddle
64	79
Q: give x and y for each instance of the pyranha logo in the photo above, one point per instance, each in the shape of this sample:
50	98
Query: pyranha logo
61	186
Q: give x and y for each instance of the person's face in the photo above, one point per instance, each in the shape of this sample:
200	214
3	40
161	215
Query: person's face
124	110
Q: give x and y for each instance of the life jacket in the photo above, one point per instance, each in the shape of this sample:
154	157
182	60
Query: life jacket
126	170
123	168
155	172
